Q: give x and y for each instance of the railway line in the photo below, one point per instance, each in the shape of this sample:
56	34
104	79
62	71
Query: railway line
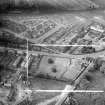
62	55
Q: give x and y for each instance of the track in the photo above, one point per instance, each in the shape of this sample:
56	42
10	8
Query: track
62	55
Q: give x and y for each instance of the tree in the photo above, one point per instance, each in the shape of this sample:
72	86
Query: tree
102	68
88	50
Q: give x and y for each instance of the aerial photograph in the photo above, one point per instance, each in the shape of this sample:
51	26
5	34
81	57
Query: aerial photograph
52	52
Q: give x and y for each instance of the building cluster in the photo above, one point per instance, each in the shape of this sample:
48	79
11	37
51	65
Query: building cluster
13	26
40	29
25	66
9	40
47	31
14	59
84	35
